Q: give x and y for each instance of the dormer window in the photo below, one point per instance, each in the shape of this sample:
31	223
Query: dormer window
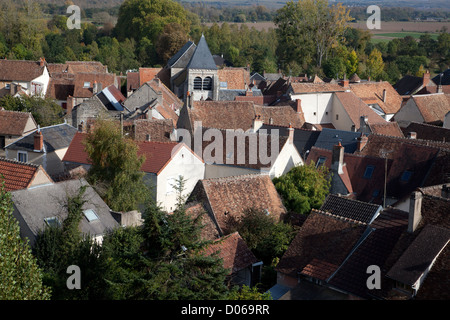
87	84
320	161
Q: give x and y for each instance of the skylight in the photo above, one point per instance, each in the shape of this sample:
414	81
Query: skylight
406	176
52	222
369	171
90	215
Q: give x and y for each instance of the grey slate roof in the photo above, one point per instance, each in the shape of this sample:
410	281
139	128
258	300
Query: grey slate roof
330	137
33	205
445	78
304	139
231	94
183	56
55	137
352	209
202	57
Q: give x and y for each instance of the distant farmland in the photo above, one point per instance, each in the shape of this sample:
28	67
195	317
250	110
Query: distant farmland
389	30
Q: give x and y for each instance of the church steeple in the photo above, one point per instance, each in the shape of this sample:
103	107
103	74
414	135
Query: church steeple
202	57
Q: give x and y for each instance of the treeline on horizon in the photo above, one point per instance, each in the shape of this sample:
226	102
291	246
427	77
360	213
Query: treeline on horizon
133	41
220	12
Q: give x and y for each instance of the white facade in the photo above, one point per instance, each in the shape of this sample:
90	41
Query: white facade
184	163
317	107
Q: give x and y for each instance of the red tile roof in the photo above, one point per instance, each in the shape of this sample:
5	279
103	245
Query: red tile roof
433	107
234	251
80	91
14	122
18	175
236	78
157	154
228	198
372	92
20	70
322	237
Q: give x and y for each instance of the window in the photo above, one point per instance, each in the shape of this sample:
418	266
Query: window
320	161
22	156
337	117
90	215
52	222
369	171
406	176
207	84
198	83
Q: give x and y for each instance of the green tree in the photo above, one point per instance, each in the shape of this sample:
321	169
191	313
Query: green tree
303	188
267	238
116	167
20	276
139	18
170	41
60	246
311	23
374	64
247	293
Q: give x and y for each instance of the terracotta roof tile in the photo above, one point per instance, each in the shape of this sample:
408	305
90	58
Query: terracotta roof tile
80	91
236	78
157	154
14	122
427	131
20	70
17	175
228	198
308	87
433	107
234	251
387	128
158	130
323	237
372	92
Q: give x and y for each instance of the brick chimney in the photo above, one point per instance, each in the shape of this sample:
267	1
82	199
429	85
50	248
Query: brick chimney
41	62
298	106
38	140
337	158
426	78
362	141
344	83
415	210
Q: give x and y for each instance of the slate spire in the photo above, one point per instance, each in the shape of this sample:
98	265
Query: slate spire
202	57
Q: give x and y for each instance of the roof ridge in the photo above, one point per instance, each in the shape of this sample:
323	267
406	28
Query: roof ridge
337	217
426	125
20	112
236	177
436	144
29	164
353	200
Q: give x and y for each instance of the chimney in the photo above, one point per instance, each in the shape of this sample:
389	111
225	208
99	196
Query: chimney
439	88
12	89
426	78
412	135
291	134
445	193
344	83
38	140
41	62
298	106
337	159
95	88
148	137
257	123
415	208
384	95
69	105
362	141
363	123
121	123
249	92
